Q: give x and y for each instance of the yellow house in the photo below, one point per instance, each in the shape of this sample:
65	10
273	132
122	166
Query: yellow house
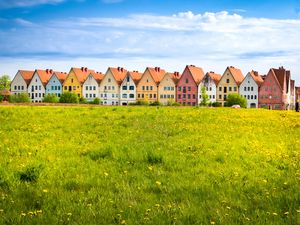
229	83
75	79
147	88
167	88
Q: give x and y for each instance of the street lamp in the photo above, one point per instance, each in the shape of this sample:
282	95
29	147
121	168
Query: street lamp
270	97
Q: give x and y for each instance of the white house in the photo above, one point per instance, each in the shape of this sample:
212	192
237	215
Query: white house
109	88
210	82
249	88
128	87
37	85
90	87
21	81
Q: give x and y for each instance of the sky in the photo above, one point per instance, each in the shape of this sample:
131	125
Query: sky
212	34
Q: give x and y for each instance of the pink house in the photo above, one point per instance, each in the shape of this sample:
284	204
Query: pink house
187	86
275	91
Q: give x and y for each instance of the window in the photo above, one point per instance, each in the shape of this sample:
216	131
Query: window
66	88
124	96
210	88
179	96
161	96
225	97
55	88
251	88
255	97
124	88
52	88
90	95
58	94
113	87
86	88
186	81
150	95
15	87
165	96
58	88
131	95
101	95
40	95
131	87
230	88
127	78
139	95
86	95
172	96
199	96
108	87
220	96
165	88
220	88
109	80
143	88
36	87
94	88
194	96
91	88
72	80
142	95
227	81
74	88
147	88
213	96
22	87
94	95
184	96
184	89
248	88
151	88
248	96
168	96
189	96
105	88
251	96
235	89
169	88
179	88
172	88
189	88
245	88
154	96
112	95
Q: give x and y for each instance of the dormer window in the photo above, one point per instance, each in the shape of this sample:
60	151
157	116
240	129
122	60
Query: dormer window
109	80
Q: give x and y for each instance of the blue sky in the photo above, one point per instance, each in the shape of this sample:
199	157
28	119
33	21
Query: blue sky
212	34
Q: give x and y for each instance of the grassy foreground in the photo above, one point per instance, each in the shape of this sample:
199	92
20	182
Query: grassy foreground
136	165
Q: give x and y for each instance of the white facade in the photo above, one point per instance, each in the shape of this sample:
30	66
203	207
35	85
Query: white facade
18	84
249	89
211	89
36	89
109	90
127	91
90	88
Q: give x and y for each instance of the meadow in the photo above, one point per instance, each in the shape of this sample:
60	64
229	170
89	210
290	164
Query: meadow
148	165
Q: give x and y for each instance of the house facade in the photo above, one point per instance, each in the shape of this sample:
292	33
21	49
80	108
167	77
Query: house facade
297	93
37	85
54	85
147	88
128	87
274	92
21	81
249	88
109	88
292	95
74	81
187	86
167	88
90	87
210	82
229	83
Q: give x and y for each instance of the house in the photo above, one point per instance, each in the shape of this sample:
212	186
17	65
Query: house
167	88
229	83
21	81
128	87
274	93
297	93
187	86
90	87
147	88
249	88
55	84
210	82
75	79
292	95
109	88
37	85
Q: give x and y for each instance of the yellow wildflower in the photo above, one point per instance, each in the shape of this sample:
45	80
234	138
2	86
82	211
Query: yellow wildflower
105	174
89	205
157	205
212	222
69	214
45	190
23	214
298	210
158	183
274	214
286	213
1	210
150	168
123	222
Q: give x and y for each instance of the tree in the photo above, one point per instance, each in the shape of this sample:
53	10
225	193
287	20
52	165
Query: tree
51	98
204	96
236	99
69	97
5	82
19	98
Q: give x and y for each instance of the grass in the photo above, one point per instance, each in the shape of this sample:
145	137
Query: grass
144	165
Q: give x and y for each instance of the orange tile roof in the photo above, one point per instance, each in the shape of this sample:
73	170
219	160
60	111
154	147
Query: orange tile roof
118	73
237	74
82	73
61	76
98	76
44	75
214	76
135	75
256	77
197	73
174	76
27	75
157	73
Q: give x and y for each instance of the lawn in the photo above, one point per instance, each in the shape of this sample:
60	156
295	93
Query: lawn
148	165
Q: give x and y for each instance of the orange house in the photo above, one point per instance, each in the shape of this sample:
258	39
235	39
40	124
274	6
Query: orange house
147	88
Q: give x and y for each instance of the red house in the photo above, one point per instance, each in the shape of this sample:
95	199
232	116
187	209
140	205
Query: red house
275	91
297	94
187	86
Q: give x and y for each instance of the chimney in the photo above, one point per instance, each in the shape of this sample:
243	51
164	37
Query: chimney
47	70
85	69
51	71
82	69
158	69
122	69
211	72
255	73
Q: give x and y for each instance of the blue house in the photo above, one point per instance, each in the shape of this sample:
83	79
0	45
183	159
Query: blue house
54	86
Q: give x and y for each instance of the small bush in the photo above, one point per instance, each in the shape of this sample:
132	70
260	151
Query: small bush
154	158
30	174
142	102
1	98
69	97
236	99
216	104
19	98
51	98
96	101
156	103
176	104
82	100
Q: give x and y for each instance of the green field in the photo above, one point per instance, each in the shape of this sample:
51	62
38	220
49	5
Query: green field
148	165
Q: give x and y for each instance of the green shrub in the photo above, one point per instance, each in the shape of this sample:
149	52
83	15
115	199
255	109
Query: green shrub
216	104
69	97
19	98
236	99
1	98
96	101
83	100
142	102
155	103
51	98
154	158
176	104
30	174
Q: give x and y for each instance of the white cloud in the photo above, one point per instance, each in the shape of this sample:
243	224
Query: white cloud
26	3
210	40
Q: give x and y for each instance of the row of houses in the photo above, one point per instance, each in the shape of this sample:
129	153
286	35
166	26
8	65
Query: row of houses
275	90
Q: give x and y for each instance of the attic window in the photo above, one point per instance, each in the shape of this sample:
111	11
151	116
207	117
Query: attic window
109	80
72	80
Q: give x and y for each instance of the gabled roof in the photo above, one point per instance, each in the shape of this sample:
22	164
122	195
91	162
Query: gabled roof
174	76
44	75
27	75
282	76
196	72
293	87
98	76
135	75
214	76
82	73
118	73
61	76
237	74
157	73
256	77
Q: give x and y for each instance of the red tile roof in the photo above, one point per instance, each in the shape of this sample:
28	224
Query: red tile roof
281	75
98	76
118	73
135	75
61	76
82	73
157	73
237	74
27	75
44	75
214	76
197	73
174	76
256	77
